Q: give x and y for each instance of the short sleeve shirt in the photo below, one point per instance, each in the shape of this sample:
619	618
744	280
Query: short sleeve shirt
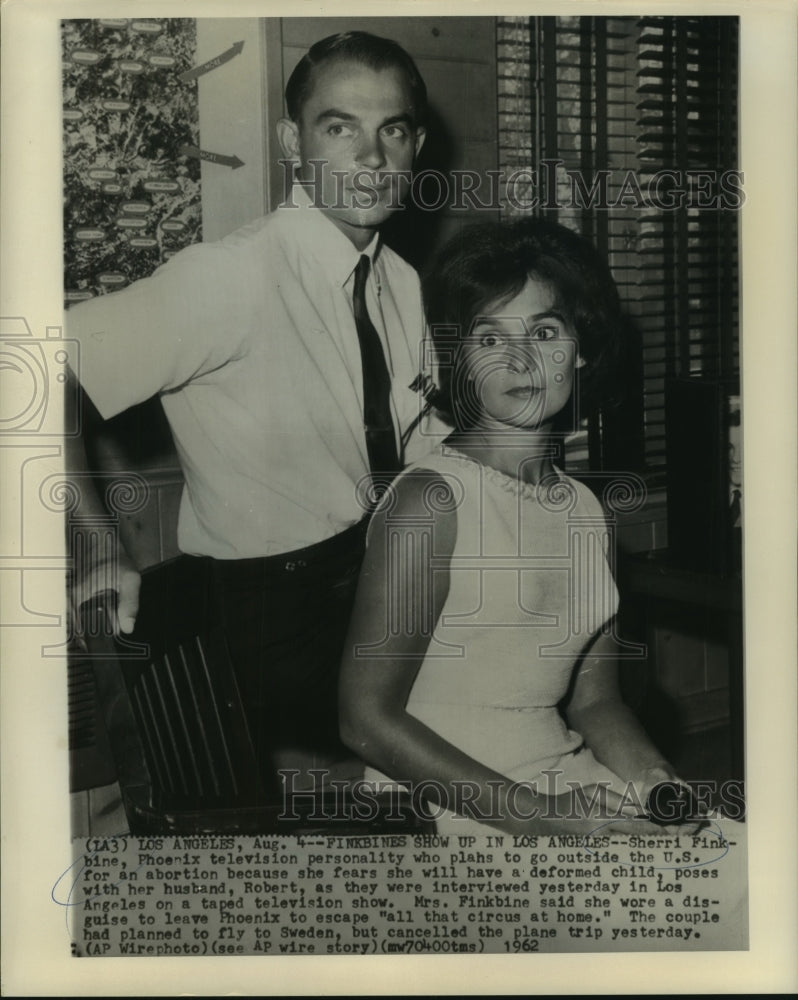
252	346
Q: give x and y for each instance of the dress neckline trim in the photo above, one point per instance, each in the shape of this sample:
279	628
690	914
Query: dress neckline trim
510	484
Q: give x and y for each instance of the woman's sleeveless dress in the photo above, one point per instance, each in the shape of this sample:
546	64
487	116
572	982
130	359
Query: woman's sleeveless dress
530	584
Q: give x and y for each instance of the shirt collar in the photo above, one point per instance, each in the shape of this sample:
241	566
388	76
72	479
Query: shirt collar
323	240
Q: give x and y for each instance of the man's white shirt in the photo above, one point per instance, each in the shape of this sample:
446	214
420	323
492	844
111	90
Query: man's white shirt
251	344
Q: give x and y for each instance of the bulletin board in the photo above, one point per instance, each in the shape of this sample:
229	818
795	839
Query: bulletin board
132	194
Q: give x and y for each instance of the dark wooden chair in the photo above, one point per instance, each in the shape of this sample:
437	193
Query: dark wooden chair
178	731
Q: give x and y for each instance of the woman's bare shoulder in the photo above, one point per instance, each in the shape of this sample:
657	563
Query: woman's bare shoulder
421	498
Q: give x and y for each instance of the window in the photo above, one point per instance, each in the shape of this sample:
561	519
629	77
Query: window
626	130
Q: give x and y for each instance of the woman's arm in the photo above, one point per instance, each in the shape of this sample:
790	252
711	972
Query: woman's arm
609	726
402	590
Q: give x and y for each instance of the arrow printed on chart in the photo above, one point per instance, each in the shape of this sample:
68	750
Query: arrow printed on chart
203	154
206	67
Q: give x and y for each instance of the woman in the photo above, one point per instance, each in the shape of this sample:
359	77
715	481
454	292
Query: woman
486	597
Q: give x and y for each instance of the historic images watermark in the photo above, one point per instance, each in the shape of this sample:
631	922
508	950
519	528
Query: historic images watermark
333	800
550	185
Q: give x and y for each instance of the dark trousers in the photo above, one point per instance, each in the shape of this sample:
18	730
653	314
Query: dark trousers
285	618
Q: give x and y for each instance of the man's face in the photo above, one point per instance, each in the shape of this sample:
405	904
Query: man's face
355	141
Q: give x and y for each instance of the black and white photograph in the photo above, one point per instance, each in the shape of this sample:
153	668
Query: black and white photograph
394	499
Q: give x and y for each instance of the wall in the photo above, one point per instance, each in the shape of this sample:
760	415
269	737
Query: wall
233	122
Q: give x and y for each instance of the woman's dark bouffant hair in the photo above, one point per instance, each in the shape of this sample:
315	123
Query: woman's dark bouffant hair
488	264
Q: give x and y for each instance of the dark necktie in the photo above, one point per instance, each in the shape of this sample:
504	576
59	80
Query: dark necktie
380	436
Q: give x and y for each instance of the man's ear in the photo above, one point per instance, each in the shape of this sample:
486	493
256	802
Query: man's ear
421	135
288	137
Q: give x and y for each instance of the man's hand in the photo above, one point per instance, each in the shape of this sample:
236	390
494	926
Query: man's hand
115	573
100	565
128	604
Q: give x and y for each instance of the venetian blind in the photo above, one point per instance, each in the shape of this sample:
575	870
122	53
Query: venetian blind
630	127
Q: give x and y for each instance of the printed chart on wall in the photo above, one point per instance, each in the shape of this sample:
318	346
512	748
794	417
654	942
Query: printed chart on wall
512	718
131	160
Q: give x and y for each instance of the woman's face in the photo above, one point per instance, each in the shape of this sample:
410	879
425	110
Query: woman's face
520	357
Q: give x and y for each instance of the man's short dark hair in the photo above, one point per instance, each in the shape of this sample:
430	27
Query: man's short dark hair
360	47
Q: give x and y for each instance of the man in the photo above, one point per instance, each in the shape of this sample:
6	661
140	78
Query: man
283	356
